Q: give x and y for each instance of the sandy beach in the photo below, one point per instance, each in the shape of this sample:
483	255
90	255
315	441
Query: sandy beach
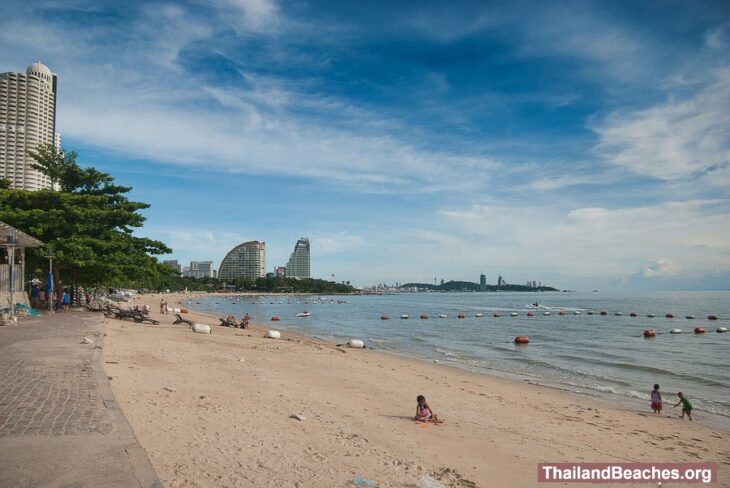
215	410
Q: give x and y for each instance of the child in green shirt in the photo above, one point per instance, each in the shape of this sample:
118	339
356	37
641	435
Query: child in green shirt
686	405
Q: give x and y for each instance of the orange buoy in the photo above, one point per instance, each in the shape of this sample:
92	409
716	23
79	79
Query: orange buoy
461	316
424	316
649	333
561	312
699	330
522	340
603	312
669	316
275	318
632	314
497	315
384	317
712	317
530	314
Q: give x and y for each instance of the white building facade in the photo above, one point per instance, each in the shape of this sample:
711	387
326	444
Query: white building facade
246	260
200	269
298	265
27	119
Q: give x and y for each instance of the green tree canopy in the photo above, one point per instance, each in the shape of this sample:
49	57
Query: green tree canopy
89	224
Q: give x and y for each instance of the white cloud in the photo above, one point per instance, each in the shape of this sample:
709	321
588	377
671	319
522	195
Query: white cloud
335	243
718	37
592	241
681	138
661	267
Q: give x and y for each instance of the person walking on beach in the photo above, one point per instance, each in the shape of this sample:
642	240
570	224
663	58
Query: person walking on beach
686	405
246	320
66	300
656	400
162	305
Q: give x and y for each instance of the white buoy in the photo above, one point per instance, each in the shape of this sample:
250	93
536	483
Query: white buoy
476	315
675	331
201	328
404	316
442	316
355	343
722	329
576	312
273	334
513	314
690	317
546	313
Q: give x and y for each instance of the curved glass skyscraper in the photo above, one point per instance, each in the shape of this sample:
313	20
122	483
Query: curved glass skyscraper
247	260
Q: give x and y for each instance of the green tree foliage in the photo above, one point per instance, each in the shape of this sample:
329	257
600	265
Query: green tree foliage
304	285
89	224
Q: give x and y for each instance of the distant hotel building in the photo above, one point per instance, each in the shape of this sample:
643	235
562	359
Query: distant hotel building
27	119
200	269
247	260
298	266
482	282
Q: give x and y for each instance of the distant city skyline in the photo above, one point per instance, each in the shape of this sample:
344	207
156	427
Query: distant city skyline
584	143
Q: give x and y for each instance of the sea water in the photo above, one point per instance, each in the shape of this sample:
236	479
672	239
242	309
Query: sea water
598	355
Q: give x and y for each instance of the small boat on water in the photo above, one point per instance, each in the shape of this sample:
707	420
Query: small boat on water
690	317
576	312
618	314
513	314
477	315
442	316
546	313
404	316
304	314
651	315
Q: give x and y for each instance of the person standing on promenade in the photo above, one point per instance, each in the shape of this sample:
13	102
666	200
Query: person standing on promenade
686	405
656	400
66	300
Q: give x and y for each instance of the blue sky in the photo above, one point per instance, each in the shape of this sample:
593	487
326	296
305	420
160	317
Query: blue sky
584	144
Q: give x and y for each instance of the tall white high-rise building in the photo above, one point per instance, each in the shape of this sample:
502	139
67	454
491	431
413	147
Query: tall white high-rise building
298	265
27	119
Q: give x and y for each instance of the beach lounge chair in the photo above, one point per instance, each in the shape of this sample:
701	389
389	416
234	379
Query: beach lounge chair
181	320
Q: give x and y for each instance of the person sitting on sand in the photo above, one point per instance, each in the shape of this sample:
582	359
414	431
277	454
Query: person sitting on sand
686	405
423	411
656	400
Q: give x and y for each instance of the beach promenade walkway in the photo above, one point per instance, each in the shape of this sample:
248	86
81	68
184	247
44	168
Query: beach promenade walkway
59	422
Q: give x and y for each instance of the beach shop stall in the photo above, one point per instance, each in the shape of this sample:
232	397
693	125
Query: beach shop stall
13	244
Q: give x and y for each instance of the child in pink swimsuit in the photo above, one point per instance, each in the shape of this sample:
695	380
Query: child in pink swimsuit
423	411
